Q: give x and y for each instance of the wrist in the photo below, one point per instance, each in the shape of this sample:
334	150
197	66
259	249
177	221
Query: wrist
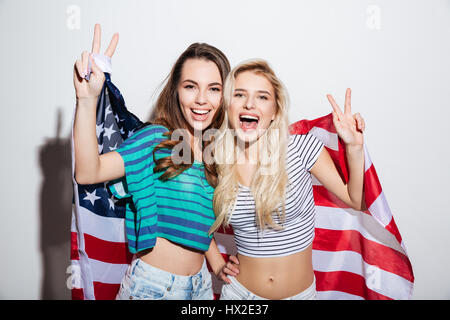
219	269
86	102
354	148
82	99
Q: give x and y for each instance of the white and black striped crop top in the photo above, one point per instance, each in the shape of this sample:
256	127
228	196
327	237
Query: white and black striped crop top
298	227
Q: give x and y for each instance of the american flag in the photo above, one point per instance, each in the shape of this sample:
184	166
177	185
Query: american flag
356	254
99	251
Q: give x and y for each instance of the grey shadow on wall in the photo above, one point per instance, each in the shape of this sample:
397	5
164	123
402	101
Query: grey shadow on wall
55	209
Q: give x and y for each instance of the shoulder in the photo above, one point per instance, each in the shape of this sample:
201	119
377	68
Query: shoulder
296	141
143	140
306	148
301	140
149	132
304	145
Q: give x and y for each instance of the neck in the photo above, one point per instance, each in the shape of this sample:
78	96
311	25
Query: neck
248	152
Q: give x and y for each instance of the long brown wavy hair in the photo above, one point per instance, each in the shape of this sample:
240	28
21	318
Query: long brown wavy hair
167	111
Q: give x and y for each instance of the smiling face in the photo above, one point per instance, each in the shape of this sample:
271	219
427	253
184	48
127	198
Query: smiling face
252	107
199	92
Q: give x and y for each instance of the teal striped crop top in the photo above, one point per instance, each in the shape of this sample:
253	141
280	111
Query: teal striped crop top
179	209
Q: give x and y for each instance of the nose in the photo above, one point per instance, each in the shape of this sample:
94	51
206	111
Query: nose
200	99
250	103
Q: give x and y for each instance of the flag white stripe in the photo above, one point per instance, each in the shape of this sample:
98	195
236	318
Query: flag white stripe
107	272
75	277
73	224
380	210
113	229
329	139
350	219
367	160
378	280
85	269
336	295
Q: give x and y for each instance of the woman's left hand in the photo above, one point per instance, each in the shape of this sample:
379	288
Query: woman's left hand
230	268
349	127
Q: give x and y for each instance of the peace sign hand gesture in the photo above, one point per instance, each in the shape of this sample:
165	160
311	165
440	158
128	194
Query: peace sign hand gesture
349	127
92	88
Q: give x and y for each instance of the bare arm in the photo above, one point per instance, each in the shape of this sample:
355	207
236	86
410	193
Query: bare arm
218	264
90	167
352	193
355	186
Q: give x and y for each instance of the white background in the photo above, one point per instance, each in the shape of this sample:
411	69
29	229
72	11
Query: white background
395	55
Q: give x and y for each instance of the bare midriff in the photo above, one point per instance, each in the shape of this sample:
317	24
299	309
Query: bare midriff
277	277
173	258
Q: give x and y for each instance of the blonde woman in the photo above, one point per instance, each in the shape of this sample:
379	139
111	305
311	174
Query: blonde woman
265	188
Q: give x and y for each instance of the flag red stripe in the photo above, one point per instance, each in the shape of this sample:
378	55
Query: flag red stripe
77	294
107	251
226	230
325	198
338	158
74	246
392	228
303	126
342	158
371	252
372	186
106	291
346	282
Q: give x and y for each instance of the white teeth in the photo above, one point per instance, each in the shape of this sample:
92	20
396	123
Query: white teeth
200	111
246	116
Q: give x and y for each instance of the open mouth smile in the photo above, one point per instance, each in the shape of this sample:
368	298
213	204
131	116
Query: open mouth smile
200	114
248	121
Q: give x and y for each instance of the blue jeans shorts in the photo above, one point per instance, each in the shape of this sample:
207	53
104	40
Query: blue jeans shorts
145	282
236	291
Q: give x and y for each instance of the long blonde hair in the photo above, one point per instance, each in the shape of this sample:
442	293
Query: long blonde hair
268	190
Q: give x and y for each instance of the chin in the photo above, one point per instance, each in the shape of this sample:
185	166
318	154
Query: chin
199	125
248	137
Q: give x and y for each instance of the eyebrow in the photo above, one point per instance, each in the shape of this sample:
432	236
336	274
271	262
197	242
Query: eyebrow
211	84
260	91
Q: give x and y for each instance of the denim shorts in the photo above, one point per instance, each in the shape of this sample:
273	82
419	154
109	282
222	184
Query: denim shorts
236	291
145	282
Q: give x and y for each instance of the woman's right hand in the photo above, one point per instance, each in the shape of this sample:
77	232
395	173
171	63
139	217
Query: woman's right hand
92	88
90	168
